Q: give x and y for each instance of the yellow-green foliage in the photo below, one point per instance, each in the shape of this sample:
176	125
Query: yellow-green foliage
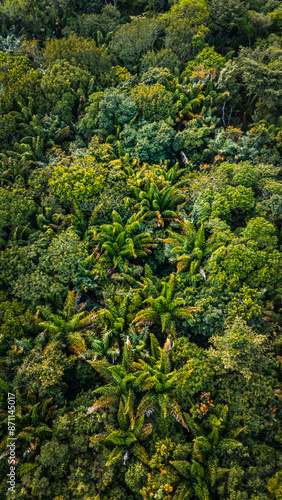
133	39
16	207
274	485
245	304
17	80
61	78
240	348
83	53
29	48
185	20
153	101
262	232
234	261
7	126
77	180
89	121
207	62
62	83
209	58
122	73
14	8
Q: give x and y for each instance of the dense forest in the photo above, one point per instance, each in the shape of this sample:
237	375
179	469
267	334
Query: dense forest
140	249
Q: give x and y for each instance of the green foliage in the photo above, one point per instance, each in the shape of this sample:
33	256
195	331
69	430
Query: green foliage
241	78
166	308
164	58
274	486
226	19
262	232
36	286
155	75
82	53
119	242
8	128
151	142
87	25
209	58
185	20
193	138
17	208
186	248
132	40
89	122
64	256
135	476
18	81
77	180
153	102
115	110
43	372
240	349
140	249
232	200
156	203
16	319
62	84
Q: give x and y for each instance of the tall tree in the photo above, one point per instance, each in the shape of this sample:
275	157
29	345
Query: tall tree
167	308
119	242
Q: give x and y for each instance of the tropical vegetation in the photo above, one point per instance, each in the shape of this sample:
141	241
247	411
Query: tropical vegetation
140	249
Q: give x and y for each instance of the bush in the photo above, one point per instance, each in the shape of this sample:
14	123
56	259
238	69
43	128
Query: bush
153	102
82	53
151	143
75	181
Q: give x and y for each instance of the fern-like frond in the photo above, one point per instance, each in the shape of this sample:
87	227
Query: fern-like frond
147	405
182	466
26	468
115	456
100	403
139	452
145	432
175	411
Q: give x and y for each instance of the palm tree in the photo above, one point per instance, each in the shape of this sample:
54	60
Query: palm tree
147	286
173	176
117	315
138	341
118	242
162	177
201	474
32	427
153	377
70	326
50	128
126	438
187	247
158	381
120	387
159	204
29	153
9	170
166	308
100	349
